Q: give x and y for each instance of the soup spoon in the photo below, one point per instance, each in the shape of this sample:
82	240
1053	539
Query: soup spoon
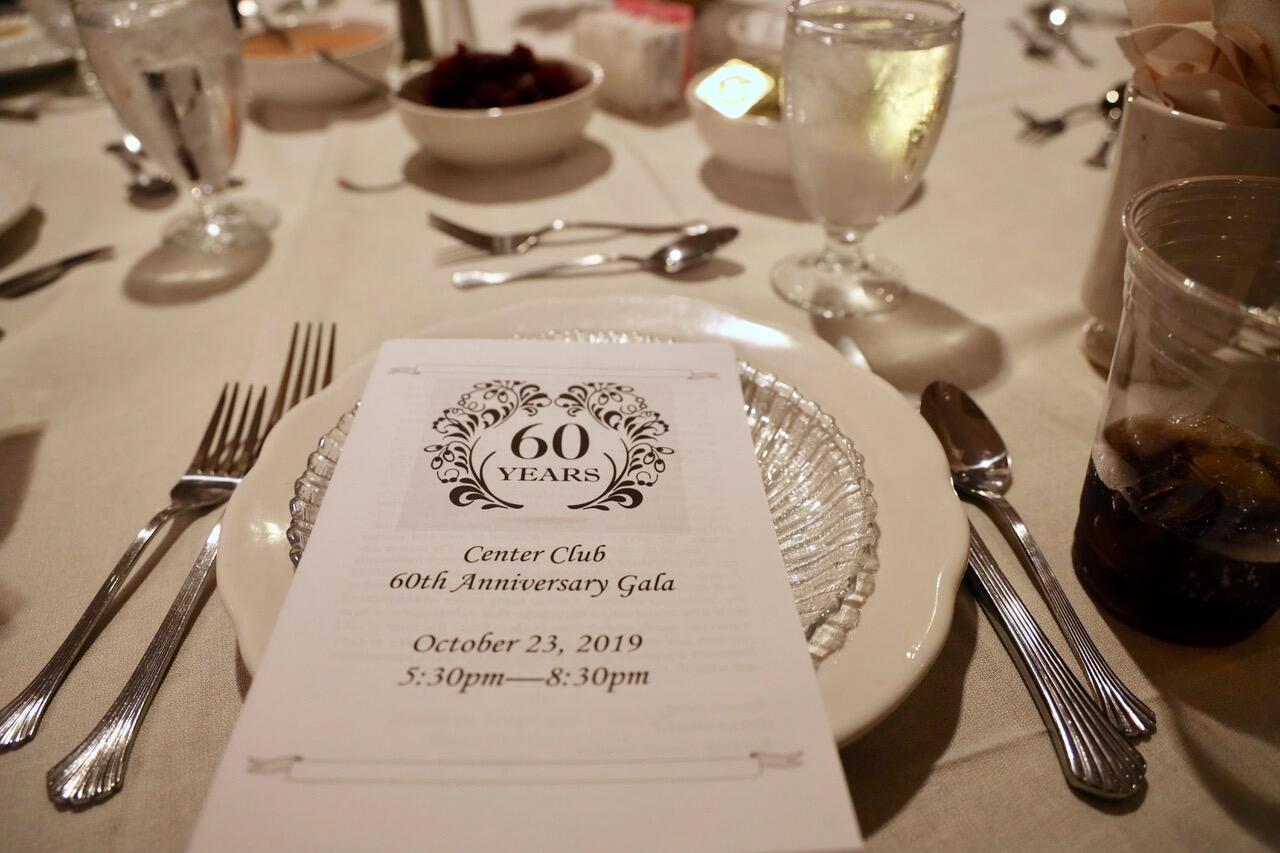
374	84
675	257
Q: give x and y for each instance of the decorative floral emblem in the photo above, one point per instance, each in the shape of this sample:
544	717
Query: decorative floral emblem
616	408
485	407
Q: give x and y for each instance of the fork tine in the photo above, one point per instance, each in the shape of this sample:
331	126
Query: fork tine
233	449
252	442
202	452
485	242
302	370
315	360
328	366
219	448
282	390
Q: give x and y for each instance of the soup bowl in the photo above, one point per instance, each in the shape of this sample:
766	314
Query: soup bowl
503	136
299	78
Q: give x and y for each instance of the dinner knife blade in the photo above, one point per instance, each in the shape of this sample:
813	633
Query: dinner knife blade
33	280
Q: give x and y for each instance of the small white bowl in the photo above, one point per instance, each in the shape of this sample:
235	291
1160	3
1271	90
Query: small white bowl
506	136
307	81
755	144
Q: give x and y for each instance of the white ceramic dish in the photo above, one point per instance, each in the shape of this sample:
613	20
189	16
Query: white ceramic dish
923	530
30	50
17	189
307	81
507	136
759	32
755	144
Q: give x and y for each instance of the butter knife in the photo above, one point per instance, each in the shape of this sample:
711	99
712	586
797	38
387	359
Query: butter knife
1095	758
33	280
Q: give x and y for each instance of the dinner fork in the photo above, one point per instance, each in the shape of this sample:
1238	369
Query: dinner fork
522	241
207	482
95	770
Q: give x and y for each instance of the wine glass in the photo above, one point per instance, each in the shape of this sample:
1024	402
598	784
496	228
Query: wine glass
54	17
173	72
865	92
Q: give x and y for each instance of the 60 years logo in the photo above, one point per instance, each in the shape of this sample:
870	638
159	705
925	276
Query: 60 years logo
596	443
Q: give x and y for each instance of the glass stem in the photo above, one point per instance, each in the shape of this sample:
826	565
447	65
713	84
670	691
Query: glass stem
206	198
843	249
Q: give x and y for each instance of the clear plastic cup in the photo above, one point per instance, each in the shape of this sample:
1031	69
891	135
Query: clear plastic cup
1179	526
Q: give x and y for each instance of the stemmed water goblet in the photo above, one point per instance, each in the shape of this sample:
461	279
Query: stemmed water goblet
172	70
865	93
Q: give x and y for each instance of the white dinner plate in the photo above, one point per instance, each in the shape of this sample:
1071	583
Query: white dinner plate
17	189
923	530
30	50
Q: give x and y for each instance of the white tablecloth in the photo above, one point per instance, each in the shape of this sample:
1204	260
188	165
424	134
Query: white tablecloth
107	378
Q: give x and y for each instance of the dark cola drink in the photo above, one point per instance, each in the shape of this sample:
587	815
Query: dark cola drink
1179	528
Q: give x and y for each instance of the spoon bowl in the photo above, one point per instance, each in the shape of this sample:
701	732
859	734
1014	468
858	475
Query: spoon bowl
982	472
979	460
143	184
689	251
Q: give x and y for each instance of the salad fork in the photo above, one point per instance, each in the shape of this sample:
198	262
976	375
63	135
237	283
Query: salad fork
95	769
207	482
522	241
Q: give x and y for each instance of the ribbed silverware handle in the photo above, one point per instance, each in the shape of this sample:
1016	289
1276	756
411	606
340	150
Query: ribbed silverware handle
21	717
1095	758
688	227
480	278
1126	711
95	769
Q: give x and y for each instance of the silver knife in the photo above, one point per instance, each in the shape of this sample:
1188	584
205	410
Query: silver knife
1095	758
33	280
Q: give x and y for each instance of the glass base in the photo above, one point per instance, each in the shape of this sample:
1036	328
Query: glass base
834	290
233	225
1098	343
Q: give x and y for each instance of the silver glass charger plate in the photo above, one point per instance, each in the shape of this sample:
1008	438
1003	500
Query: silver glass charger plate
819	497
900	627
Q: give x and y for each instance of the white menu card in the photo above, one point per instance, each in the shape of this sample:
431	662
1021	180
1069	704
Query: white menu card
543	608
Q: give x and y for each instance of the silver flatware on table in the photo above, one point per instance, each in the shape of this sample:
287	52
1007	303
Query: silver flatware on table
1036	129
376	86
1094	757
1112	108
520	242
95	770
32	280
1075	12
1056	19
1034	46
675	257
982	472
207	483
142	182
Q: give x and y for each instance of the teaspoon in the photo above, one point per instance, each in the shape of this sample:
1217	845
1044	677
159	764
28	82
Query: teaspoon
982	473
675	257
141	182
